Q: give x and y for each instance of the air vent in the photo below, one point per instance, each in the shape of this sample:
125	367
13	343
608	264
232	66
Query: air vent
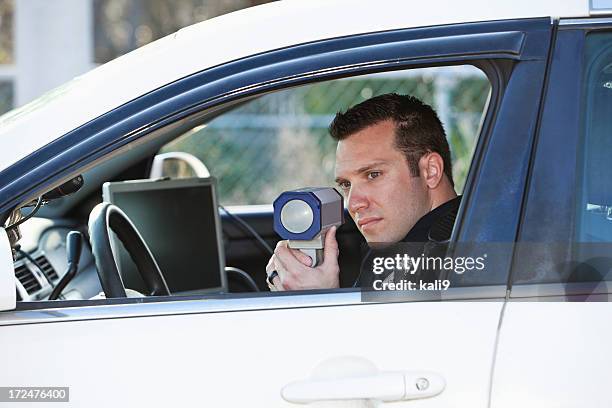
27	279
46	267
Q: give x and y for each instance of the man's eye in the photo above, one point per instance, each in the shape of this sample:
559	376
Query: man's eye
373	174
344	185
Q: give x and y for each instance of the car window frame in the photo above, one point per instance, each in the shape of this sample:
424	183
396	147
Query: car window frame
525	44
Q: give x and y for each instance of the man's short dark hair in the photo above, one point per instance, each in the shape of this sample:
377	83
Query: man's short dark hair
418	129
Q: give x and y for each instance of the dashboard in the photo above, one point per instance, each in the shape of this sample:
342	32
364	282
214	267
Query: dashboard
42	262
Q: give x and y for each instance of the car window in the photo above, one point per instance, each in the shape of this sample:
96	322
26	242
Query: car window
269	145
280	141
594	201
571	241
593	234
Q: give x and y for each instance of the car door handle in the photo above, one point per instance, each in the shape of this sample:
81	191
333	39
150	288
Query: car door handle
337	384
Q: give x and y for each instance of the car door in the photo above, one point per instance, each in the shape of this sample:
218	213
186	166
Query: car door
554	341
428	348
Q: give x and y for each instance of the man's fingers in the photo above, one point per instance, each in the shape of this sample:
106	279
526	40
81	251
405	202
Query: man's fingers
331	245
270	265
302	257
276	284
282	262
287	259
282	244
273	266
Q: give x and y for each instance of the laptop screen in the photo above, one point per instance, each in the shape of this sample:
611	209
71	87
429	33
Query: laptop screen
179	221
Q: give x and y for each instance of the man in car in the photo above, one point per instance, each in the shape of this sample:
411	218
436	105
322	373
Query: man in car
393	167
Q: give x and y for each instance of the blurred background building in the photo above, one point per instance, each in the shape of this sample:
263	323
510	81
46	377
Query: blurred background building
44	43
267	145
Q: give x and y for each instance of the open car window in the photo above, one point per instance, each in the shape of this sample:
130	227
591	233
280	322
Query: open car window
280	141
255	151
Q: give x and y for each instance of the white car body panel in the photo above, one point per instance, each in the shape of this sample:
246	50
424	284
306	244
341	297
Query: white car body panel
245	358
244	33
554	354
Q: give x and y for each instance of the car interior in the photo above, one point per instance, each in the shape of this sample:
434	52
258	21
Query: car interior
201	237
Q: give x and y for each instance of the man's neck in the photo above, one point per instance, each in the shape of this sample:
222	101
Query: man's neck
441	198
420	230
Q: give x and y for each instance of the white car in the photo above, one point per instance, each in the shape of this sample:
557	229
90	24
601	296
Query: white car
530	331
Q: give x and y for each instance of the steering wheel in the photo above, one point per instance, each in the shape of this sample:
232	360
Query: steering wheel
105	217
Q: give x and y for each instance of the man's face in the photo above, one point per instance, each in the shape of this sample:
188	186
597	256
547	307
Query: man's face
382	196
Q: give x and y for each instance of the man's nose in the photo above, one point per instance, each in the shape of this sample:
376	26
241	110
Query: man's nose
357	200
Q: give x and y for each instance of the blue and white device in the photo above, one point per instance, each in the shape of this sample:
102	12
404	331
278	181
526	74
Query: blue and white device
303	217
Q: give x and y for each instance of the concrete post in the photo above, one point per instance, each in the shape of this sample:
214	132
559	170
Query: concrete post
53	44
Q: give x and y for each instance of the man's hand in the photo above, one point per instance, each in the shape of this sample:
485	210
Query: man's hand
294	271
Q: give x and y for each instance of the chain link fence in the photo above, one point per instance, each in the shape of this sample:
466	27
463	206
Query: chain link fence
280	141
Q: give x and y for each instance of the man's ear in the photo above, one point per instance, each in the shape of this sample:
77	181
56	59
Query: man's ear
431	167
